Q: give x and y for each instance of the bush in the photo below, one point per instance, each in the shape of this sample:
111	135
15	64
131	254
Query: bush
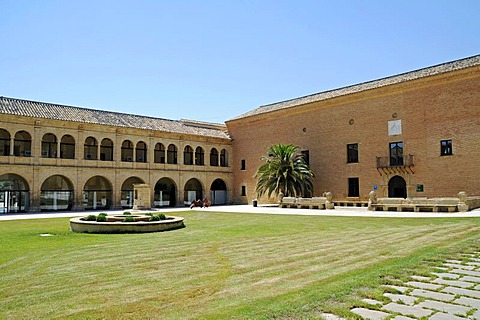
127	213
149	214
91	217
129	219
102	218
162	216
154	218
102	214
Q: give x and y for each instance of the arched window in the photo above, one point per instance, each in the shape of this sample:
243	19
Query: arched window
49	146
22	144
126	199
14	194
4	142
106	150
141	152
159	153
67	147
97	193
56	194
188	155
90	148
223	158
199	157
127	151
214	157
172	154
192	191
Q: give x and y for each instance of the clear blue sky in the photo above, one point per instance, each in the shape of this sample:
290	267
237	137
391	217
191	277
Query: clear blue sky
212	60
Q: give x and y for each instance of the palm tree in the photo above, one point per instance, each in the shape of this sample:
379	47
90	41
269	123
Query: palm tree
285	171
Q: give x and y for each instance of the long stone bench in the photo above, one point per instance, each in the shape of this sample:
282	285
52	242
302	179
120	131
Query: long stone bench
324	202
422	204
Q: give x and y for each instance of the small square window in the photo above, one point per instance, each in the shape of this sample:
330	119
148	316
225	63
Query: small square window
244	191
306	156
243	165
352	153
446	148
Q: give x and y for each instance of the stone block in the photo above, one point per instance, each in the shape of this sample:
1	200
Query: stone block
370	314
423	285
474	303
446	275
445	316
415	311
444	307
433	295
463	292
408	300
453	283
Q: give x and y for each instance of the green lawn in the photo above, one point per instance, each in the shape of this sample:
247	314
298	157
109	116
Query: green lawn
222	265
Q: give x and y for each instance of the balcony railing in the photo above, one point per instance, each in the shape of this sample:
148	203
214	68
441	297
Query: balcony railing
398	161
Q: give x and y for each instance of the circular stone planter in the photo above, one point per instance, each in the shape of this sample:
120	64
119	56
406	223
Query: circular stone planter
115	224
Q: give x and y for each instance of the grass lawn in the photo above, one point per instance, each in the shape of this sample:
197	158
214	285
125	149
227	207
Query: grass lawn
221	266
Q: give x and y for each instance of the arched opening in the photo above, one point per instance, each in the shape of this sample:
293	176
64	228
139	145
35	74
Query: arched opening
199	157
56	194
97	193
397	187
218	192
67	147
90	148
141	152
14	194
192	191
126	198
106	150
127	151
172	154
4	142
22	144
165	193
49	146
214	157
188	155
159	153
223	158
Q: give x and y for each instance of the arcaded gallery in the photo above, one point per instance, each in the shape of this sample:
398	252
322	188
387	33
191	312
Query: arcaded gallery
415	134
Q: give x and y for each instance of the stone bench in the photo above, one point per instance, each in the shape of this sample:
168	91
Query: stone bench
324	202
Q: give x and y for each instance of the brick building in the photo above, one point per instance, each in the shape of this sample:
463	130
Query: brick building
415	134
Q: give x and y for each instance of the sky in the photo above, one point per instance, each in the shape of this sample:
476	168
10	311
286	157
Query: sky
214	60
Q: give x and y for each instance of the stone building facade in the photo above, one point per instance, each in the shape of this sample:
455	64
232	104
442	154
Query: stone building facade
415	134
55	157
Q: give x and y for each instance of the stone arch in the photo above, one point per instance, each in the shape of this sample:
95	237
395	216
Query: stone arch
397	187
56	194
199	156
22	144
14	193
214	157
192	191
97	193
106	150
165	193
127	151
159	153
49	145
172	154
67	147
90	148
188	155
126	198
4	142
141	152
218	192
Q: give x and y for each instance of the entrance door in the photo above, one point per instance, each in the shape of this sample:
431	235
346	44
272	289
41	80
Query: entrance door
397	187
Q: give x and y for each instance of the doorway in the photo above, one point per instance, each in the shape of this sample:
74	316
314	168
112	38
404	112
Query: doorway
397	187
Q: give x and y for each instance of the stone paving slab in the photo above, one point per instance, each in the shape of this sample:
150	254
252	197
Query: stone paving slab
470	279
463	292
433	295
476	264
372	302
415	311
446	275
454	283
423	285
370	314
466	272
398	288
444	307
402	318
408	300
421	278
445	316
453	261
474	303
329	316
459	266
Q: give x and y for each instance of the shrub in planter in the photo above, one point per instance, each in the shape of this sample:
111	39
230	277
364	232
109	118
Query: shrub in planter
127	213
129	219
102	218
154	218
149	214
162	216
91	217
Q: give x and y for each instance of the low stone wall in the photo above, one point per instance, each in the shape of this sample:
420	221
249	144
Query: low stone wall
79	225
324	202
461	203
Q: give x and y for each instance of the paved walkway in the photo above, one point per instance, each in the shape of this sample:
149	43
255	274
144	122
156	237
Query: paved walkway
265	209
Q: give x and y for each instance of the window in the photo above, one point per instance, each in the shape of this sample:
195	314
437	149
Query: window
244	191
353	187
22	144
223	158
67	147
306	156
188	155
396	154
199	157
90	148
243	166
159	153
446	148
127	151
106	150
4	143
352	153
214	157
49	146
172	154
141	152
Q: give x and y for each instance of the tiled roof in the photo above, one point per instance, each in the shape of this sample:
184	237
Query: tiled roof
408	76
45	110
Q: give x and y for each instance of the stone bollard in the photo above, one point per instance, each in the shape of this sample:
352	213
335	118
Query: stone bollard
462	201
329	203
372	199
